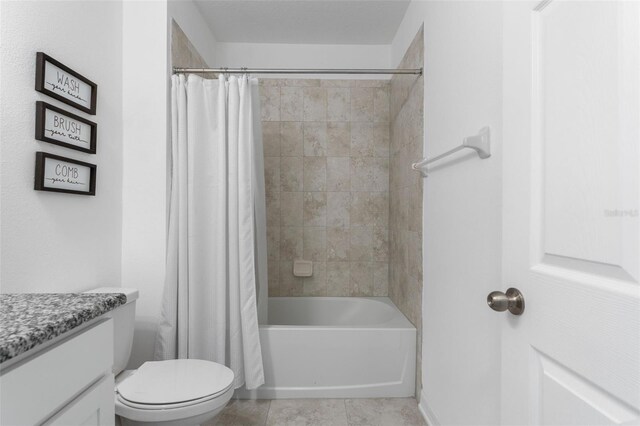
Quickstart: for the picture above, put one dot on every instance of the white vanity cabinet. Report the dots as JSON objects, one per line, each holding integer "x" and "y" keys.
{"x": 68, "y": 382}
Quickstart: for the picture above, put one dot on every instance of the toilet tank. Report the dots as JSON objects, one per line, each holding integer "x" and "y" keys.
{"x": 123, "y": 325}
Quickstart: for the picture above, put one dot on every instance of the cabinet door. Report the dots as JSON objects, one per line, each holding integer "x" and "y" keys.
{"x": 40, "y": 386}
{"x": 94, "y": 407}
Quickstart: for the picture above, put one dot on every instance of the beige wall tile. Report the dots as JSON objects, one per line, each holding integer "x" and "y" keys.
{"x": 273, "y": 209}
{"x": 397, "y": 130}
{"x": 337, "y": 83}
{"x": 398, "y": 94}
{"x": 380, "y": 279}
{"x": 362, "y": 104}
{"x": 400, "y": 91}
{"x": 414, "y": 251}
{"x": 338, "y": 281}
{"x": 381, "y": 140}
{"x": 361, "y": 174}
{"x": 273, "y": 82}
{"x": 413, "y": 110}
{"x": 414, "y": 209}
{"x": 338, "y": 175}
{"x": 271, "y": 138}
{"x": 270, "y": 103}
{"x": 291, "y": 242}
{"x": 393, "y": 209}
{"x": 291, "y": 175}
{"x": 362, "y": 140}
{"x": 338, "y": 139}
{"x": 361, "y": 278}
{"x": 291, "y": 99}
{"x": 315, "y": 139}
{"x": 372, "y": 83}
{"x": 272, "y": 174}
{"x": 379, "y": 207}
{"x": 380, "y": 244}
{"x": 314, "y": 104}
{"x": 315, "y": 173}
{"x": 381, "y": 105}
{"x": 289, "y": 284}
{"x": 315, "y": 209}
{"x": 310, "y": 162}
{"x": 361, "y": 243}
{"x": 338, "y": 104}
{"x": 338, "y": 244}
{"x": 316, "y": 285}
{"x": 315, "y": 244}
{"x": 273, "y": 243}
{"x": 301, "y": 82}
{"x": 359, "y": 210}
{"x": 273, "y": 277}
{"x": 380, "y": 174}
{"x": 291, "y": 208}
{"x": 338, "y": 208}
{"x": 291, "y": 139}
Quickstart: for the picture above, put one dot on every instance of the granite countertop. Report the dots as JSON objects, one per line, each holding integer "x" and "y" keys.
{"x": 30, "y": 319}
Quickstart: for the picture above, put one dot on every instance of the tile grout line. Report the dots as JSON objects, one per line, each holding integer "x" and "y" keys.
{"x": 346, "y": 415}
{"x": 266, "y": 419}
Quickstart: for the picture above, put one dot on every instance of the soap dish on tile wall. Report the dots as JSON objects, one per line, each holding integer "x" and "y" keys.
{"x": 302, "y": 268}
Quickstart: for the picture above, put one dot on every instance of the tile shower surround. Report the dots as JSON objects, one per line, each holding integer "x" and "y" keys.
{"x": 405, "y": 193}
{"x": 326, "y": 152}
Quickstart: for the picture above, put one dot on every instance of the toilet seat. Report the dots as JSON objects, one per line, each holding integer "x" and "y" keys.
{"x": 169, "y": 406}
{"x": 173, "y": 390}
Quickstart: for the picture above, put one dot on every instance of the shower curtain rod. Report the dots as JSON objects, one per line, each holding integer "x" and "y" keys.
{"x": 415, "y": 71}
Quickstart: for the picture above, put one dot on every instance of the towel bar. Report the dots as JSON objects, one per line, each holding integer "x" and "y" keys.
{"x": 481, "y": 143}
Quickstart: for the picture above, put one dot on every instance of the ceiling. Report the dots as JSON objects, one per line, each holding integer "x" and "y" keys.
{"x": 304, "y": 21}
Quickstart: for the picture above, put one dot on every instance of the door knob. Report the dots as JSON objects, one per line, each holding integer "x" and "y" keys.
{"x": 511, "y": 300}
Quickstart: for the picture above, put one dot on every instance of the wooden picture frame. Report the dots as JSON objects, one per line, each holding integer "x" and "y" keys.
{"x": 55, "y": 173}
{"x": 57, "y": 126}
{"x": 57, "y": 80}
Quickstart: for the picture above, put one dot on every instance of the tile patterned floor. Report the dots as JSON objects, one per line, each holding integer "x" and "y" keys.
{"x": 321, "y": 412}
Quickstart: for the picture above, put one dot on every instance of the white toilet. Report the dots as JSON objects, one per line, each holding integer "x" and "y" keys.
{"x": 164, "y": 393}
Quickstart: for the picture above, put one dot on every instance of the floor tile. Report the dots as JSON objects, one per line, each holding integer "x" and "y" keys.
{"x": 307, "y": 412}
{"x": 242, "y": 412}
{"x": 383, "y": 412}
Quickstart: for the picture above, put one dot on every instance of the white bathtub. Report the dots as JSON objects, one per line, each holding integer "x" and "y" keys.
{"x": 336, "y": 347}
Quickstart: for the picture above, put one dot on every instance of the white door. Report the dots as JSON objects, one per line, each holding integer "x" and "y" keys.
{"x": 571, "y": 221}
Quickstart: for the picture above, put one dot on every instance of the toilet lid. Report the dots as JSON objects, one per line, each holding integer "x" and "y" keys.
{"x": 175, "y": 381}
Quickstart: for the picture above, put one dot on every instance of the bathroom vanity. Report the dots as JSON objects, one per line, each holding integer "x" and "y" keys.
{"x": 56, "y": 358}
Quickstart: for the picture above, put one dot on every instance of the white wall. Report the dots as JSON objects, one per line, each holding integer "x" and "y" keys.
{"x": 275, "y": 55}
{"x": 145, "y": 111}
{"x": 146, "y": 126}
{"x": 462, "y": 213}
{"x": 55, "y": 242}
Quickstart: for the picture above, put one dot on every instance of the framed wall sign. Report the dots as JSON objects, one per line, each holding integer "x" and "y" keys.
{"x": 64, "y": 84}
{"x": 60, "y": 174}
{"x": 57, "y": 126}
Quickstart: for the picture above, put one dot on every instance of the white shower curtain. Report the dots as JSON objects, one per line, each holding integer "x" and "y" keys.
{"x": 216, "y": 256}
